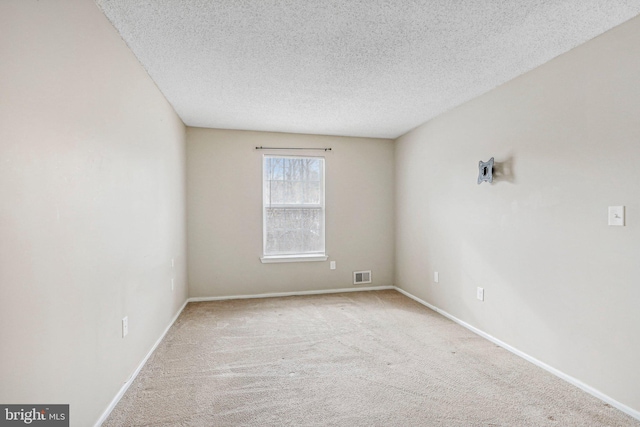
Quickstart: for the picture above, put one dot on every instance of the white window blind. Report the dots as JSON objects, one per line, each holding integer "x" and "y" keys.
{"x": 293, "y": 206}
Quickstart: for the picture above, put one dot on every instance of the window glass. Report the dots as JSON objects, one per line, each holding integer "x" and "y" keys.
{"x": 293, "y": 205}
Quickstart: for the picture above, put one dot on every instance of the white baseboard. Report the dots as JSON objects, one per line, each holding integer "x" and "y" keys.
{"x": 568, "y": 378}
{"x": 133, "y": 376}
{"x": 288, "y": 294}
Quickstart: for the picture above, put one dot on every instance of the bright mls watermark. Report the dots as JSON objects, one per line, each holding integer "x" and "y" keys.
{"x": 34, "y": 415}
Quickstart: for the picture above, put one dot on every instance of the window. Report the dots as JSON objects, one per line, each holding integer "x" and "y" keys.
{"x": 293, "y": 209}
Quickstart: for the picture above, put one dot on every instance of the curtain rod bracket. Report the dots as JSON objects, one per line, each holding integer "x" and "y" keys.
{"x": 291, "y": 148}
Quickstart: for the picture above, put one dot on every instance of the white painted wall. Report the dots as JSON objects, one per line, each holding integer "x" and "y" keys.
{"x": 92, "y": 209}
{"x": 224, "y": 210}
{"x": 560, "y": 284}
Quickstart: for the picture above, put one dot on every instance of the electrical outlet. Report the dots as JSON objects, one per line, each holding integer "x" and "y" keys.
{"x": 436, "y": 278}
{"x": 172, "y": 284}
{"x": 173, "y": 262}
{"x": 125, "y": 326}
{"x": 332, "y": 265}
{"x": 480, "y": 294}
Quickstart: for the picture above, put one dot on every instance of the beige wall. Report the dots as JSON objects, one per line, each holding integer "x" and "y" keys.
{"x": 91, "y": 207}
{"x": 559, "y": 283}
{"x": 224, "y": 205}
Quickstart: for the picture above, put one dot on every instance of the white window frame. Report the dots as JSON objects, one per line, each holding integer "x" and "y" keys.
{"x": 293, "y": 257}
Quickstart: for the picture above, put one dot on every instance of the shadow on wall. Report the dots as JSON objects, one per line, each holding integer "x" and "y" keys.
{"x": 503, "y": 171}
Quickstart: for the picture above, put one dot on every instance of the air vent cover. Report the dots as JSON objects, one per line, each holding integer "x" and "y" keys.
{"x": 360, "y": 277}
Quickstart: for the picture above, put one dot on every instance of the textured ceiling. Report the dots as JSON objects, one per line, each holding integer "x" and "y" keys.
{"x": 374, "y": 68}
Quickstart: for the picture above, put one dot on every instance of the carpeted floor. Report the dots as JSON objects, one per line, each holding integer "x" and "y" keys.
{"x": 351, "y": 359}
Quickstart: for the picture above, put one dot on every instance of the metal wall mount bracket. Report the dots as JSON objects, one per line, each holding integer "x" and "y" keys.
{"x": 485, "y": 171}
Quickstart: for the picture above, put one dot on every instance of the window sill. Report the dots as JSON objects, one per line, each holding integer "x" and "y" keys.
{"x": 292, "y": 258}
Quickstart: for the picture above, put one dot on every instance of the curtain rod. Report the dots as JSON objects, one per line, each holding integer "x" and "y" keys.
{"x": 291, "y": 148}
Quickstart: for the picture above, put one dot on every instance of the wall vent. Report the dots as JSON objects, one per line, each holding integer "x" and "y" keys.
{"x": 360, "y": 277}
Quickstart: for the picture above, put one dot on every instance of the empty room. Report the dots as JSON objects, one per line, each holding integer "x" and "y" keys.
{"x": 319, "y": 213}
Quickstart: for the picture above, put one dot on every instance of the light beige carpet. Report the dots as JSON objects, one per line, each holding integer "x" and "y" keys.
{"x": 352, "y": 359}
